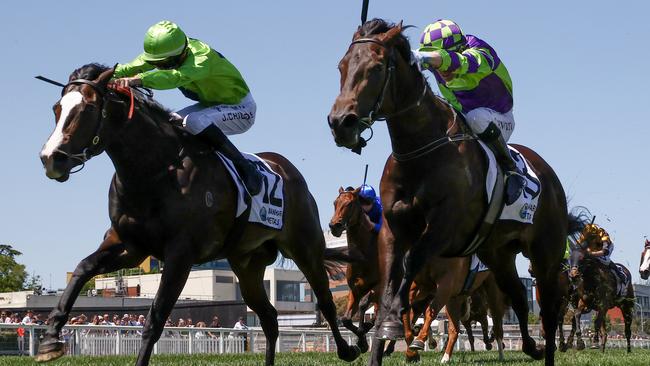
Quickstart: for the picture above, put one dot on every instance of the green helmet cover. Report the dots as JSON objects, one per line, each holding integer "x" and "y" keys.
{"x": 163, "y": 39}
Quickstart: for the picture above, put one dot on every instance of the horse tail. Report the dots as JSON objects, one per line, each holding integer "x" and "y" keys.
{"x": 578, "y": 218}
{"x": 336, "y": 259}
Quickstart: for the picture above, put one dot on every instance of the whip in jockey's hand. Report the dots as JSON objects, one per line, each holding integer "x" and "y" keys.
{"x": 474, "y": 80}
{"x": 224, "y": 105}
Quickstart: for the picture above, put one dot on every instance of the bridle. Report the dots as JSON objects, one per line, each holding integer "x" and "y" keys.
{"x": 346, "y": 220}
{"x": 373, "y": 116}
{"x": 104, "y": 93}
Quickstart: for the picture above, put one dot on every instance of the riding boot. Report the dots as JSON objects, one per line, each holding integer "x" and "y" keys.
{"x": 515, "y": 182}
{"x": 247, "y": 170}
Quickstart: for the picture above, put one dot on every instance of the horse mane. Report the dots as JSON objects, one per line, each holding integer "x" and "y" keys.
{"x": 379, "y": 26}
{"x": 92, "y": 71}
{"x": 579, "y": 218}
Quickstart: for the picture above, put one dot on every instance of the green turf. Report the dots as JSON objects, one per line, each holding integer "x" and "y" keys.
{"x": 588, "y": 357}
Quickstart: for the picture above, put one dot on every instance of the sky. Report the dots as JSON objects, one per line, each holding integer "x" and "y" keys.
{"x": 579, "y": 70}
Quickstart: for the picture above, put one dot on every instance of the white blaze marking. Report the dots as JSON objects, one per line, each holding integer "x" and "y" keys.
{"x": 646, "y": 261}
{"x": 68, "y": 102}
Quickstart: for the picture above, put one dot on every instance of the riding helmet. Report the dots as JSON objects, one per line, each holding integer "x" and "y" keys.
{"x": 442, "y": 35}
{"x": 164, "y": 39}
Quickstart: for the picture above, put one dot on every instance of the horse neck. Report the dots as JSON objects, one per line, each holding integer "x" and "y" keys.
{"x": 143, "y": 150}
{"x": 359, "y": 239}
{"x": 430, "y": 120}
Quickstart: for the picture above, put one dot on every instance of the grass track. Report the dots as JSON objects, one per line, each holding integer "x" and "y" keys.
{"x": 583, "y": 358}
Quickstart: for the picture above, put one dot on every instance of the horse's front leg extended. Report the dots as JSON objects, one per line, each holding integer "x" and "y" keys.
{"x": 391, "y": 326}
{"x": 174, "y": 275}
{"x": 111, "y": 256}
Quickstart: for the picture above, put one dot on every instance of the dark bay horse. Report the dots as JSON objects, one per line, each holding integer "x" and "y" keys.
{"x": 596, "y": 289}
{"x": 433, "y": 185}
{"x": 361, "y": 275}
{"x": 644, "y": 267}
{"x": 487, "y": 299}
{"x": 173, "y": 199}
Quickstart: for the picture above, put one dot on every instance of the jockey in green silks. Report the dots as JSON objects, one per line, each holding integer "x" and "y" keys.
{"x": 224, "y": 105}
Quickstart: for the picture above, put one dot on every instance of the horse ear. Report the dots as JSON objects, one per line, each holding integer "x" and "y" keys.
{"x": 392, "y": 33}
{"x": 340, "y": 190}
{"x": 105, "y": 77}
{"x": 356, "y": 191}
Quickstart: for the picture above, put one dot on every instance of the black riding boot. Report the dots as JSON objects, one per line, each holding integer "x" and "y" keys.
{"x": 515, "y": 183}
{"x": 249, "y": 173}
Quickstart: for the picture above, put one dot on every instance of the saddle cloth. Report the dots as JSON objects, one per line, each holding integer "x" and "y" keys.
{"x": 523, "y": 209}
{"x": 267, "y": 207}
{"x": 476, "y": 265}
{"x": 622, "y": 280}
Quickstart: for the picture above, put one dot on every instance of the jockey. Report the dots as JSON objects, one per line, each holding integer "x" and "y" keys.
{"x": 371, "y": 206}
{"x": 597, "y": 243}
{"x": 477, "y": 84}
{"x": 224, "y": 105}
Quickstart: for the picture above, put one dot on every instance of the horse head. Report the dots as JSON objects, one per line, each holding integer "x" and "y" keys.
{"x": 79, "y": 116}
{"x": 374, "y": 67}
{"x": 644, "y": 268}
{"x": 577, "y": 255}
{"x": 347, "y": 210}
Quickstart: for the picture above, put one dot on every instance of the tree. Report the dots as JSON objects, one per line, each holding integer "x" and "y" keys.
{"x": 12, "y": 274}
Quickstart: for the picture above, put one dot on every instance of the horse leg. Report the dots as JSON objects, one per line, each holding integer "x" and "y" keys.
{"x": 580, "y": 344}
{"x": 603, "y": 331}
{"x": 390, "y": 348}
{"x": 111, "y": 256}
{"x": 414, "y": 260}
{"x": 376, "y": 352}
{"x": 470, "y": 334}
{"x": 251, "y": 284}
{"x": 351, "y": 309}
{"x": 550, "y": 305}
{"x": 502, "y": 264}
{"x": 453, "y": 314}
{"x": 496, "y": 305}
{"x": 628, "y": 310}
{"x": 311, "y": 265}
{"x": 177, "y": 268}
{"x": 485, "y": 330}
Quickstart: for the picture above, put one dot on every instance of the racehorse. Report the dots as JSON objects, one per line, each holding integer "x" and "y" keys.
{"x": 433, "y": 185}
{"x": 644, "y": 267}
{"x": 362, "y": 275}
{"x": 451, "y": 293}
{"x": 596, "y": 289}
{"x": 172, "y": 198}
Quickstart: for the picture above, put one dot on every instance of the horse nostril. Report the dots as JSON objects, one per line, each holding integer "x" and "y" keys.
{"x": 350, "y": 121}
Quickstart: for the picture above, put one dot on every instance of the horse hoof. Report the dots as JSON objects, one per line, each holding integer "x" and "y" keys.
{"x": 390, "y": 331}
{"x": 580, "y": 345}
{"x": 433, "y": 344}
{"x": 416, "y": 345}
{"x": 50, "y": 351}
{"x": 352, "y": 354}
{"x": 488, "y": 346}
{"x": 563, "y": 347}
{"x": 535, "y": 352}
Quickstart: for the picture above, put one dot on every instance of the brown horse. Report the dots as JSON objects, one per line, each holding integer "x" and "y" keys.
{"x": 596, "y": 289}
{"x": 644, "y": 267}
{"x": 362, "y": 275}
{"x": 433, "y": 185}
{"x": 455, "y": 298}
{"x": 172, "y": 198}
